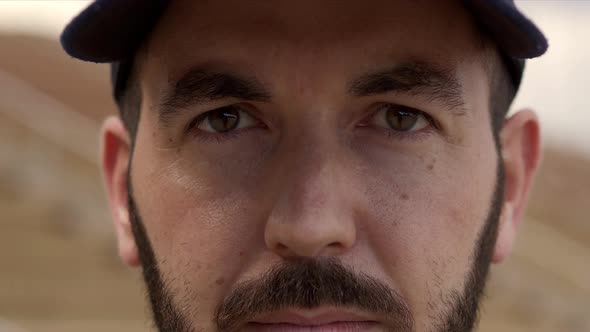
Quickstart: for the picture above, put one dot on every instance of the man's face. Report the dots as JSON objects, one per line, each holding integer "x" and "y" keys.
{"x": 301, "y": 163}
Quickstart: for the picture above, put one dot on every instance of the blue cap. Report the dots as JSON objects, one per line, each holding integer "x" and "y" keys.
{"x": 111, "y": 31}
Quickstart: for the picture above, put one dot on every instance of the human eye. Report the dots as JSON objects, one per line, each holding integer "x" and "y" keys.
{"x": 223, "y": 122}
{"x": 400, "y": 121}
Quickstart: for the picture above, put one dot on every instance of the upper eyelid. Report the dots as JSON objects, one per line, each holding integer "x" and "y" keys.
{"x": 409, "y": 109}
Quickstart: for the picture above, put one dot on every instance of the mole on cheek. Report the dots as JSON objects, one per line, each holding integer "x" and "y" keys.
{"x": 431, "y": 166}
{"x": 219, "y": 281}
{"x": 404, "y": 197}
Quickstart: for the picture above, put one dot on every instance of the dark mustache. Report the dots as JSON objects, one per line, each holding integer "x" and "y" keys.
{"x": 310, "y": 283}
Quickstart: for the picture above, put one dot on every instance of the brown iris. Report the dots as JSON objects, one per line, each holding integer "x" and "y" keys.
{"x": 224, "y": 119}
{"x": 401, "y": 120}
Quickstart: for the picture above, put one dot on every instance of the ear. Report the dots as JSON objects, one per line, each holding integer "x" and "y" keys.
{"x": 521, "y": 152}
{"x": 115, "y": 157}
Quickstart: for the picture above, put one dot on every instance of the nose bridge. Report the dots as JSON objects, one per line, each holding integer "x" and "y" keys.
{"x": 311, "y": 173}
{"x": 314, "y": 180}
{"x": 313, "y": 212}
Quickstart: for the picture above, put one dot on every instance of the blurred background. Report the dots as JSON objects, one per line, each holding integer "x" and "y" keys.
{"x": 59, "y": 271}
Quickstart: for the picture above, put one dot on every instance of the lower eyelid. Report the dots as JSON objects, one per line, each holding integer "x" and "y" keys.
{"x": 413, "y": 135}
{"x": 389, "y": 133}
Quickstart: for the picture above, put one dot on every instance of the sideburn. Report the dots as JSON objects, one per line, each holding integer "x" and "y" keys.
{"x": 166, "y": 317}
{"x": 465, "y": 314}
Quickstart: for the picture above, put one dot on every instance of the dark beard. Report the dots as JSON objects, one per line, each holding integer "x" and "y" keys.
{"x": 309, "y": 283}
{"x": 463, "y": 314}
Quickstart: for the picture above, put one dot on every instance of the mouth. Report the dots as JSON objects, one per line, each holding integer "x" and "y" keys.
{"x": 316, "y": 320}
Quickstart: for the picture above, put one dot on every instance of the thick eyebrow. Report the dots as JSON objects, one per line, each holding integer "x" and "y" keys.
{"x": 200, "y": 85}
{"x": 417, "y": 79}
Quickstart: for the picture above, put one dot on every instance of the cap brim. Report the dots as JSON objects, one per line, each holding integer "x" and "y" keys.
{"x": 111, "y": 30}
{"x": 516, "y": 35}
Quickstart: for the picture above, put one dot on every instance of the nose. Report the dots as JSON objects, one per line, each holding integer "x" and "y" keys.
{"x": 314, "y": 212}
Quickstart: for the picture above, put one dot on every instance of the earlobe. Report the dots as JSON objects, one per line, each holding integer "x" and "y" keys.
{"x": 506, "y": 234}
{"x": 521, "y": 152}
{"x": 115, "y": 159}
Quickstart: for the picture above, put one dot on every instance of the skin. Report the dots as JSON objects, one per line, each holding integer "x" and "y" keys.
{"x": 320, "y": 178}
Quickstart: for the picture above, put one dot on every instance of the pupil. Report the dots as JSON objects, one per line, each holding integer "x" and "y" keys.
{"x": 224, "y": 119}
{"x": 401, "y": 121}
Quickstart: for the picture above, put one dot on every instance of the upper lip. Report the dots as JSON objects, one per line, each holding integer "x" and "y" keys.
{"x": 312, "y": 317}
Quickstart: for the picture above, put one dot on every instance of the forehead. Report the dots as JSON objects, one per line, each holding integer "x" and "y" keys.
{"x": 338, "y": 32}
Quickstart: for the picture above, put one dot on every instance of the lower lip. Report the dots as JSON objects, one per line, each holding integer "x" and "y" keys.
{"x": 361, "y": 326}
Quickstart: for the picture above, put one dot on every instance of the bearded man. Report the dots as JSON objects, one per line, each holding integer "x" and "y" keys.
{"x": 314, "y": 165}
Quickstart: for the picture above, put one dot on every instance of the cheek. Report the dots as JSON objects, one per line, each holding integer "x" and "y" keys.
{"x": 209, "y": 219}
{"x": 201, "y": 220}
{"x": 427, "y": 212}
{"x": 203, "y": 241}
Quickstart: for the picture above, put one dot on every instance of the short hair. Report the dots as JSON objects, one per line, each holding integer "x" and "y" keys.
{"x": 502, "y": 88}
{"x": 129, "y": 103}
